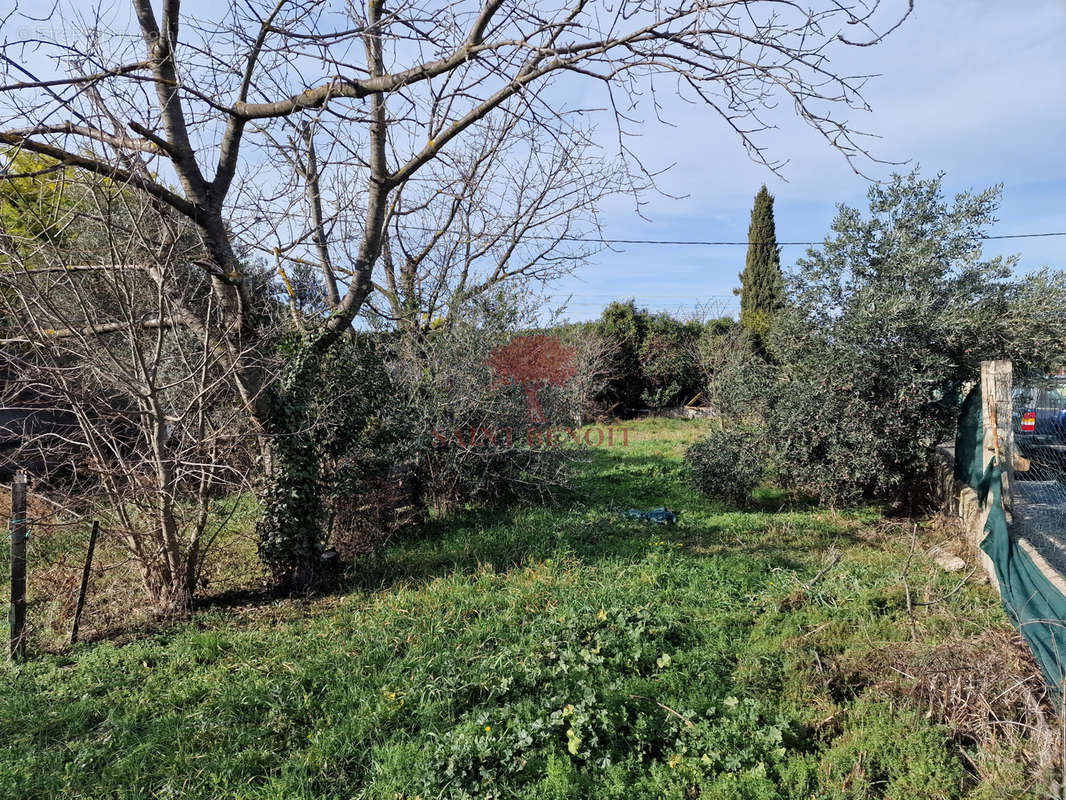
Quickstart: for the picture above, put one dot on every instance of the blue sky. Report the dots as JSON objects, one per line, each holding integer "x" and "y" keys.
{"x": 973, "y": 88}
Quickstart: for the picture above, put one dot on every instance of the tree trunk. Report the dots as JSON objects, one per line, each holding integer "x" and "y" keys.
{"x": 535, "y": 411}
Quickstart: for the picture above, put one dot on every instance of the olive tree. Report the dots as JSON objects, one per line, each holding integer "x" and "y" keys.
{"x": 885, "y": 323}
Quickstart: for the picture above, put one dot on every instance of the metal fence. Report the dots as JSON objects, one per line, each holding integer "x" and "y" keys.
{"x": 1038, "y": 461}
{"x": 1010, "y": 450}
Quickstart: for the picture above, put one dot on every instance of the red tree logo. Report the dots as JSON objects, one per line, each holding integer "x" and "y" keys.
{"x": 532, "y": 362}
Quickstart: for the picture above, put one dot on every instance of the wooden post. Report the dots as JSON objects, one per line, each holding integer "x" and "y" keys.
{"x": 84, "y": 583}
{"x": 998, "y": 418}
{"x": 17, "y": 613}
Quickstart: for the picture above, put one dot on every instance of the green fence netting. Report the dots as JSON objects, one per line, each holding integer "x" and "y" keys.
{"x": 970, "y": 442}
{"x": 1032, "y": 602}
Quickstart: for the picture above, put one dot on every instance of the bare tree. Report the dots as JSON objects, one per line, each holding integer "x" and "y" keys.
{"x": 596, "y": 356}
{"x": 517, "y": 203}
{"x": 195, "y": 113}
{"x": 143, "y": 432}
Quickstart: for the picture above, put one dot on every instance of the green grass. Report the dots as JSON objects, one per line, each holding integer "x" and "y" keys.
{"x": 537, "y": 652}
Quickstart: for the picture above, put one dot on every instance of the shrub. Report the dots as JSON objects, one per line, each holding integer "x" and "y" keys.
{"x": 324, "y": 437}
{"x": 728, "y": 464}
{"x": 886, "y": 322}
{"x": 835, "y": 444}
{"x": 429, "y": 426}
{"x": 469, "y": 433}
{"x": 654, "y": 358}
{"x": 736, "y": 377}
{"x": 624, "y": 326}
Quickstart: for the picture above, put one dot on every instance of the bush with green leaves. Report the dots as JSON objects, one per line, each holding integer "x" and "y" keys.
{"x": 369, "y": 432}
{"x": 325, "y": 438}
{"x": 885, "y": 323}
{"x": 669, "y": 369}
{"x": 736, "y": 377}
{"x": 655, "y": 361}
{"x": 470, "y": 434}
{"x": 728, "y": 464}
{"x": 625, "y": 326}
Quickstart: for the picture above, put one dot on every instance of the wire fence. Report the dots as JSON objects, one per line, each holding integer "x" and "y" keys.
{"x": 56, "y": 549}
{"x": 1038, "y": 464}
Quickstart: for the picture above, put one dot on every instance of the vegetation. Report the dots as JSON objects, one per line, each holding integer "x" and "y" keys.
{"x": 734, "y": 372}
{"x": 35, "y": 208}
{"x": 564, "y": 650}
{"x": 887, "y": 321}
{"x": 531, "y": 637}
{"x": 655, "y": 362}
{"x": 433, "y": 123}
{"x": 625, "y": 326}
{"x": 154, "y": 433}
{"x": 316, "y": 180}
{"x": 464, "y": 421}
{"x": 138, "y": 425}
{"x": 327, "y": 440}
{"x": 762, "y": 287}
{"x": 668, "y": 364}
{"x": 884, "y": 324}
{"x": 728, "y": 464}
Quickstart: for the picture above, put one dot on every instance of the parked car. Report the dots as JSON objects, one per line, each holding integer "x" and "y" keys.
{"x": 1040, "y": 427}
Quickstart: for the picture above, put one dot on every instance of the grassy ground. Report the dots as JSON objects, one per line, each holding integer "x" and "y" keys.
{"x": 116, "y": 596}
{"x": 565, "y": 651}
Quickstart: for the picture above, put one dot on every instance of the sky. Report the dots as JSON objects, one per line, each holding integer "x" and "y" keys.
{"x": 972, "y": 88}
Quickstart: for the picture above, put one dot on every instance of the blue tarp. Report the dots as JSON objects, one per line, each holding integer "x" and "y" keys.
{"x": 660, "y": 515}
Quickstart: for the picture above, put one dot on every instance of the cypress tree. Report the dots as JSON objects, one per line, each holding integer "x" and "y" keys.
{"x": 762, "y": 289}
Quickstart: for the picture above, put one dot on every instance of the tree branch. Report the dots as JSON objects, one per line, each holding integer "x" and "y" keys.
{"x": 175, "y": 201}
{"x": 100, "y": 329}
{"x": 90, "y": 133}
{"x": 161, "y": 45}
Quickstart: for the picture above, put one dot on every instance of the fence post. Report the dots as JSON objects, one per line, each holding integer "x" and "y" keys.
{"x": 17, "y": 613}
{"x": 998, "y": 418}
{"x": 84, "y": 583}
